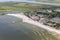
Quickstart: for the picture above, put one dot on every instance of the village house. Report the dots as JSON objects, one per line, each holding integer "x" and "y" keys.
{"x": 56, "y": 19}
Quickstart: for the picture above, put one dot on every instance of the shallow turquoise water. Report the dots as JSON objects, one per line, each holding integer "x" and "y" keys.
{"x": 21, "y": 31}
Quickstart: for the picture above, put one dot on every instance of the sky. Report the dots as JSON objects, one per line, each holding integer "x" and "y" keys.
{"x": 14, "y": 0}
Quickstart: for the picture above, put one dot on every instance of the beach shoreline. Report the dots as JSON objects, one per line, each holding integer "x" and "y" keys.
{"x": 30, "y": 21}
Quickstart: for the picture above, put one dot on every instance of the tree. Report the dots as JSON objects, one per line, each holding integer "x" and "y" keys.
{"x": 57, "y": 25}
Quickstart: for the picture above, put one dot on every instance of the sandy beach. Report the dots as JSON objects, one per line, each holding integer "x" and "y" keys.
{"x": 30, "y": 21}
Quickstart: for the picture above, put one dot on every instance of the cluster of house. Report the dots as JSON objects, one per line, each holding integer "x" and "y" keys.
{"x": 40, "y": 18}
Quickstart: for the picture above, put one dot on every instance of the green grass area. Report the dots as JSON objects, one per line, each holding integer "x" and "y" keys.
{"x": 9, "y": 6}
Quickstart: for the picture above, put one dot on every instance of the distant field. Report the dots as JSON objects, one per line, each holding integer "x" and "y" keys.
{"x": 9, "y": 6}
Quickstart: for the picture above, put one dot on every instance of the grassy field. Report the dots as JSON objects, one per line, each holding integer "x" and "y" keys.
{"x": 9, "y": 6}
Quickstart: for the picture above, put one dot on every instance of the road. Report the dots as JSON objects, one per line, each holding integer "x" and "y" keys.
{"x": 44, "y": 3}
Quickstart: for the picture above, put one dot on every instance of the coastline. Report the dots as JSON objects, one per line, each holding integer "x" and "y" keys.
{"x": 30, "y": 21}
